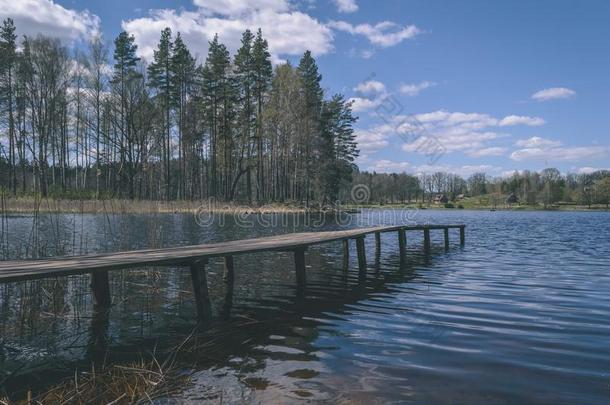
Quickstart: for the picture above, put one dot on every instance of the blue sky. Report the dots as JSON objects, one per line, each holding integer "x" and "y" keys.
{"x": 461, "y": 86}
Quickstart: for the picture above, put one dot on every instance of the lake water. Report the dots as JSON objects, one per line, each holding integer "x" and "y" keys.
{"x": 519, "y": 314}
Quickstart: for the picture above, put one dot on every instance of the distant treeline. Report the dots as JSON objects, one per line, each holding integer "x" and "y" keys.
{"x": 93, "y": 124}
{"x": 545, "y": 188}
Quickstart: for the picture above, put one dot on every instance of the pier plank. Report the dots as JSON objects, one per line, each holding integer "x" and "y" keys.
{"x": 22, "y": 270}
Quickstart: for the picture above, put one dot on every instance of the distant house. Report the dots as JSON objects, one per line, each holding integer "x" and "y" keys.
{"x": 512, "y": 199}
{"x": 460, "y": 197}
{"x": 441, "y": 199}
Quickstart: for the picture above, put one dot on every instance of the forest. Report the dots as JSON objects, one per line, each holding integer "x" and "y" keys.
{"x": 98, "y": 122}
{"x": 102, "y": 123}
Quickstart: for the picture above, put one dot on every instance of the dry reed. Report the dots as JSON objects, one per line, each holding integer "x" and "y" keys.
{"x": 120, "y": 206}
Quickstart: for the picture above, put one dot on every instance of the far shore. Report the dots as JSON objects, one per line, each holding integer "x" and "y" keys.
{"x": 515, "y": 207}
{"x": 26, "y": 205}
{"x": 124, "y": 206}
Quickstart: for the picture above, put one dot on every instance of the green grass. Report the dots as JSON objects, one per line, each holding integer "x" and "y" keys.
{"x": 485, "y": 203}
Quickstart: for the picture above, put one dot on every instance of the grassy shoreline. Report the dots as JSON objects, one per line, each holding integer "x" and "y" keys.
{"x": 121, "y": 206}
{"x": 434, "y": 207}
{"x": 492, "y": 203}
{"x": 25, "y": 205}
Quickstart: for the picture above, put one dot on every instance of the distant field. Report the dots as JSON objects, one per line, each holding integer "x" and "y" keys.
{"x": 486, "y": 203}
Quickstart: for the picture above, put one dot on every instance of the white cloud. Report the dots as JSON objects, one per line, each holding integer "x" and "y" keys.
{"x": 384, "y": 34}
{"x": 553, "y": 93}
{"x": 544, "y": 149}
{"x": 370, "y": 94}
{"x": 371, "y": 141}
{"x": 560, "y": 153}
{"x": 346, "y": 6}
{"x": 33, "y": 17}
{"x": 537, "y": 142}
{"x": 438, "y": 132}
{"x": 388, "y": 166}
{"x": 589, "y": 170}
{"x": 465, "y": 120}
{"x": 448, "y": 142}
{"x": 240, "y": 7}
{"x": 288, "y": 32}
{"x": 362, "y": 159}
{"x": 416, "y": 88}
{"x": 521, "y": 120}
{"x": 492, "y": 151}
{"x": 360, "y": 104}
{"x": 370, "y": 88}
{"x": 468, "y": 170}
{"x": 446, "y": 132}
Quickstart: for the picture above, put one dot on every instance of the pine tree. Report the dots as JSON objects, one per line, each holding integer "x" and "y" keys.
{"x": 308, "y": 69}
{"x": 217, "y": 86}
{"x": 313, "y": 96}
{"x": 8, "y": 61}
{"x": 124, "y": 73}
{"x": 346, "y": 146}
{"x": 244, "y": 70}
{"x": 231, "y": 119}
{"x": 182, "y": 81}
{"x": 337, "y": 148}
{"x": 125, "y": 57}
{"x": 263, "y": 73}
{"x": 160, "y": 78}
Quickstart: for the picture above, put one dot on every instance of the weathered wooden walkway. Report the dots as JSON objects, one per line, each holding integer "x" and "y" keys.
{"x": 196, "y": 257}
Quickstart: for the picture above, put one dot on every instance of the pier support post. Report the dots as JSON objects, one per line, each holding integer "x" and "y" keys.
{"x": 100, "y": 286}
{"x": 229, "y": 279}
{"x": 377, "y": 243}
{"x": 446, "y": 238}
{"x": 345, "y": 254}
{"x": 200, "y": 288}
{"x": 427, "y": 240}
{"x": 228, "y": 274}
{"x": 402, "y": 243}
{"x": 299, "y": 266}
{"x": 462, "y": 235}
{"x": 361, "y": 254}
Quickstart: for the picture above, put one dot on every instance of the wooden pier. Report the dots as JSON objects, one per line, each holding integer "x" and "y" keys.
{"x": 196, "y": 257}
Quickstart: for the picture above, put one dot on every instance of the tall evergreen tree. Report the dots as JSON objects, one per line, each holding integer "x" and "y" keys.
{"x": 263, "y": 72}
{"x": 182, "y": 82}
{"x": 125, "y": 58}
{"x": 244, "y": 70}
{"x": 219, "y": 99}
{"x": 346, "y": 146}
{"x": 160, "y": 78}
{"x": 313, "y": 96}
{"x": 8, "y": 61}
{"x": 231, "y": 119}
{"x": 337, "y": 148}
{"x": 125, "y": 72}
